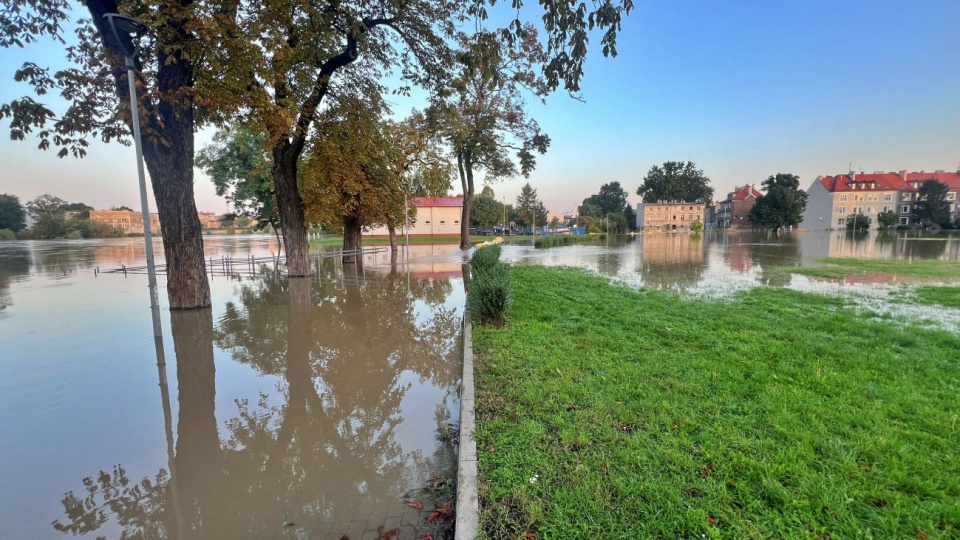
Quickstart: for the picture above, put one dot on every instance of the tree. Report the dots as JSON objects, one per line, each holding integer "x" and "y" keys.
{"x": 239, "y": 167}
{"x": 96, "y": 92}
{"x": 122, "y": 208}
{"x": 932, "y": 207}
{"x": 484, "y": 119}
{"x": 12, "y": 214}
{"x": 696, "y": 226}
{"x": 858, "y": 222}
{"x": 530, "y": 210}
{"x": 887, "y": 218}
{"x": 782, "y": 205}
{"x": 486, "y": 211}
{"x": 554, "y": 223}
{"x": 610, "y": 201}
{"x": 676, "y": 181}
{"x": 46, "y": 206}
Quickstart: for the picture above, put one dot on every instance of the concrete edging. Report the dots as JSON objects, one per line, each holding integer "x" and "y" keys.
{"x": 468, "y": 500}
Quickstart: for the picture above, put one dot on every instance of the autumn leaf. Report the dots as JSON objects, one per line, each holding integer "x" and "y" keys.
{"x": 415, "y": 504}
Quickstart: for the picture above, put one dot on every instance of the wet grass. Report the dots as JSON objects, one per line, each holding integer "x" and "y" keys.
{"x": 837, "y": 268}
{"x": 935, "y": 296}
{"x": 337, "y": 240}
{"x": 605, "y": 412}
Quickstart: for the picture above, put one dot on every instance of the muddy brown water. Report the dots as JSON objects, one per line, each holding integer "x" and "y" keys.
{"x": 291, "y": 408}
{"x": 294, "y": 408}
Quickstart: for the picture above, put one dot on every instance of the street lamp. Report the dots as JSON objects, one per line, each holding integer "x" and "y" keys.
{"x": 127, "y": 31}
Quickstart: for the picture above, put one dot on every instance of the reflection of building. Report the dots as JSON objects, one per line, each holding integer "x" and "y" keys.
{"x": 668, "y": 216}
{"x": 436, "y": 216}
{"x": 671, "y": 249}
{"x": 831, "y": 199}
{"x": 734, "y": 211}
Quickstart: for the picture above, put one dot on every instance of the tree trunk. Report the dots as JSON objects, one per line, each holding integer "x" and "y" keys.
{"x": 168, "y": 153}
{"x": 352, "y": 240}
{"x": 465, "y": 167}
{"x": 292, "y": 220}
{"x": 393, "y": 238}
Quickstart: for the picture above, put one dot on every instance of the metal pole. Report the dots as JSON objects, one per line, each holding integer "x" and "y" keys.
{"x": 406, "y": 224}
{"x": 144, "y": 205}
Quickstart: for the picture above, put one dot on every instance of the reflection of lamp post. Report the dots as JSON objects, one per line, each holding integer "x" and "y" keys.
{"x": 127, "y": 31}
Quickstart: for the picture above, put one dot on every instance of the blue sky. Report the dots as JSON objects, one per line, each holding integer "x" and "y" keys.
{"x": 744, "y": 89}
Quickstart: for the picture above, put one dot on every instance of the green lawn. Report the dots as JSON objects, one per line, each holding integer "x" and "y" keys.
{"x": 336, "y": 240}
{"x": 941, "y": 296}
{"x": 836, "y": 268}
{"x": 779, "y": 414}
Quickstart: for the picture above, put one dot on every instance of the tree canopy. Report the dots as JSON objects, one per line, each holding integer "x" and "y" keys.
{"x": 676, "y": 181}
{"x": 782, "y": 205}
{"x": 12, "y": 215}
{"x": 610, "y": 204}
{"x": 932, "y": 207}
{"x": 530, "y": 209}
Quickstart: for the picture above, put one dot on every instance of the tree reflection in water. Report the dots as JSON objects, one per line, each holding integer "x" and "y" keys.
{"x": 330, "y": 449}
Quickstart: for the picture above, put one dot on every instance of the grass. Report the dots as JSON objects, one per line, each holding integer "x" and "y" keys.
{"x": 337, "y": 240}
{"x": 605, "y": 412}
{"x": 836, "y": 268}
{"x": 933, "y": 296}
{"x": 568, "y": 240}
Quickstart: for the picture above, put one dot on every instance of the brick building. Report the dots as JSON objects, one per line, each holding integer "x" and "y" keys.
{"x": 734, "y": 211}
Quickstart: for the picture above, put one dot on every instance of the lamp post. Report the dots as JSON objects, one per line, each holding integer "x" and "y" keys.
{"x": 127, "y": 31}
{"x": 503, "y": 229}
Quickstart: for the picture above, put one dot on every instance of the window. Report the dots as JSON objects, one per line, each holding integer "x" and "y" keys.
{"x": 858, "y": 197}
{"x": 904, "y": 209}
{"x": 843, "y": 198}
{"x": 683, "y": 217}
{"x": 870, "y": 209}
{"x": 887, "y": 198}
{"x": 427, "y": 222}
{"x": 841, "y": 221}
{"x": 456, "y": 222}
{"x": 842, "y": 210}
{"x": 951, "y": 196}
{"x": 905, "y": 197}
{"x": 885, "y": 208}
{"x": 442, "y": 222}
{"x": 904, "y": 221}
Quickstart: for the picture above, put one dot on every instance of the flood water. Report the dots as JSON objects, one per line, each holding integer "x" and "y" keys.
{"x": 296, "y": 408}
{"x": 292, "y": 408}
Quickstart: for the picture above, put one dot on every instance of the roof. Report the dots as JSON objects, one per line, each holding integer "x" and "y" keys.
{"x": 438, "y": 201}
{"x": 951, "y": 179}
{"x": 743, "y": 193}
{"x": 865, "y": 182}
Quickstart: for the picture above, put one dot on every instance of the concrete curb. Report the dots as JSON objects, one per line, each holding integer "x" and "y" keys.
{"x": 468, "y": 500}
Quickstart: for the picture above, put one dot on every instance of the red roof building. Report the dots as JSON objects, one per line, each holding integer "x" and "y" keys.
{"x": 733, "y": 212}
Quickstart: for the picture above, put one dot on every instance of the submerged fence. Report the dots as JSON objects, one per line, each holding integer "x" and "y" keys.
{"x": 248, "y": 265}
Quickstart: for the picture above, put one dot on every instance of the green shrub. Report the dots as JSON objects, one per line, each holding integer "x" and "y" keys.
{"x": 490, "y": 294}
{"x": 483, "y": 259}
{"x": 7, "y": 234}
{"x": 696, "y": 226}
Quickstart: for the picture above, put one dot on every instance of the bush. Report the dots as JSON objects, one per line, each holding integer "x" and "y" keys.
{"x": 7, "y": 234}
{"x": 483, "y": 259}
{"x": 490, "y": 294}
{"x": 696, "y": 226}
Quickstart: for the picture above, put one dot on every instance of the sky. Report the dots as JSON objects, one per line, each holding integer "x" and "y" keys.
{"x": 745, "y": 89}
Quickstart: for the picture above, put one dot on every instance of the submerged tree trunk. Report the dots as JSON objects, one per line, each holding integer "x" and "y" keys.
{"x": 393, "y": 239}
{"x": 167, "y": 141}
{"x": 290, "y": 204}
{"x": 465, "y": 167}
{"x": 352, "y": 239}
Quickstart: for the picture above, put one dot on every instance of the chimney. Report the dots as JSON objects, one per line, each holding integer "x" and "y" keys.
{"x": 902, "y": 174}
{"x": 940, "y": 170}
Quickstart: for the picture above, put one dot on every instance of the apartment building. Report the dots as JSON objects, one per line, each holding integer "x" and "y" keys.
{"x": 669, "y": 215}
{"x": 734, "y": 211}
{"x": 132, "y": 222}
{"x": 831, "y": 199}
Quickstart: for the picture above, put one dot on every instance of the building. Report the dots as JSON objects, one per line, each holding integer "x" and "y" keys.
{"x": 669, "y": 215}
{"x": 132, "y": 222}
{"x": 208, "y": 220}
{"x": 435, "y": 216}
{"x": 831, "y": 199}
{"x": 734, "y": 211}
{"x": 563, "y": 217}
{"x": 126, "y": 220}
